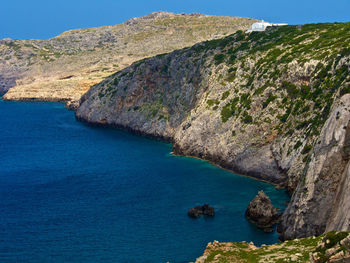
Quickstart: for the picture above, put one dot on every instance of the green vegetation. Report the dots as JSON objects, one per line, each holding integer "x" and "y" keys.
{"x": 225, "y": 95}
{"x": 246, "y": 118}
{"x": 211, "y": 102}
{"x": 307, "y": 149}
{"x": 229, "y": 109}
{"x": 297, "y": 145}
{"x": 288, "y": 251}
{"x": 268, "y": 100}
{"x": 331, "y": 239}
{"x": 306, "y": 102}
{"x": 219, "y": 58}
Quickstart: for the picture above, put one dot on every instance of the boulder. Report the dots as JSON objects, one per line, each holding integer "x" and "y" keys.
{"x": 261, "y": 212}
{"x": 198, "y": 210}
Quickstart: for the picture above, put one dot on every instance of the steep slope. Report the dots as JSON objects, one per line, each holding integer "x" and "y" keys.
{"x": 273, "y": 105}
{"x": 64, "y": 67}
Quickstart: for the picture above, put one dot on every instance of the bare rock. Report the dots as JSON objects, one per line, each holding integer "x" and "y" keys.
{"x": 198, "y": 210}
{"x": 261, "y": 211}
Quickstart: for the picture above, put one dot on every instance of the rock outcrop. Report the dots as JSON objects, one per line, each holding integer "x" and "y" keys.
{"x": 334, "y": 247}
{"x": 63, "y": 68}
{"x": 265, "y": 104}
{"x": 261, "y": 212}
{"x": 331, "y": 247}
{"x": 324, "y": 188}
{"x": 198, "y": 210}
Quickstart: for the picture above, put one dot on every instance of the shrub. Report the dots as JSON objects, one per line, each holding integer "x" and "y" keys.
{"x": 226, "y": 113}
{"x": 212, "y": 102}
{"x": 291, "y": 89}
{"x": 247, "y": 118}
{"x": 225, "y": 95}
{"x": 268, "y": 100}
{"x": 297, "y": 145}
{"x": 229, "y": 109}
{"x": 219, "y": 58}
{"x": 345, "y": 90}
{"x": 307, "y": 148}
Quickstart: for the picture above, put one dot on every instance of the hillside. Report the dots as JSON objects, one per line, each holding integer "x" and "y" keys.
{"x": 63, "y": 68}
{"x": 273, "y": 105}
{"x": 331, "y": 247}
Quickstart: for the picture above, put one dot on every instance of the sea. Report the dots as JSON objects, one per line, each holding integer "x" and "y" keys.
{"x": 70, "y": 192}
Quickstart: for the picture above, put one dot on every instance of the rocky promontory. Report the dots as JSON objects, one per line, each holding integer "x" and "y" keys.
{"x": 272, "y": 105}
{"x": 330, "y": 247}
{"x": 63, "y": 68}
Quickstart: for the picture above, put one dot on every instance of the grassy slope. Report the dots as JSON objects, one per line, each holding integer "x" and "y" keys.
{"x": 290, "y": 251}
{"x": 84, "y": 57}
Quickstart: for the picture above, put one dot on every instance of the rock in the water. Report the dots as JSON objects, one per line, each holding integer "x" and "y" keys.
{"x": 198, "y": 210}
{"x": 208, "y": 210}
{"x": 261, "y": 211}
{"x": 195, "y": 212}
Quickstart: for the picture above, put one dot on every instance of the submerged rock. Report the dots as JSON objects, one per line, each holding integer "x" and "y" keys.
{"x": 198, "y": 210}
{"x": 261, "y": 212}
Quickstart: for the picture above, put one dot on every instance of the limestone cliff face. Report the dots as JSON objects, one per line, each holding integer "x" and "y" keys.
{"x": 64, "y": 67}
{"x": 324, "y": 187}
{"x": 265, "y": 105}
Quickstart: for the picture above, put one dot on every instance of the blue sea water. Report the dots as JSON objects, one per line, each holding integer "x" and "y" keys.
{"x": 74, "y": 193}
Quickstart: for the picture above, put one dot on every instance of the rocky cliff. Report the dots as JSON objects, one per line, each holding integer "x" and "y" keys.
{"x": 63, "y": 68}
{"x": 273, "y": 105}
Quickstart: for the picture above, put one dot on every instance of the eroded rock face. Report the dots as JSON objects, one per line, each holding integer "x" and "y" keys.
{"x": 334, "y": 247}
{"x": 322, "y": 200}
{"x": 261, "y": 211}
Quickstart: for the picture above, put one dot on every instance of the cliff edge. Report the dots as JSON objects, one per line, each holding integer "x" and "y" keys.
{"x": 273, "y": 105}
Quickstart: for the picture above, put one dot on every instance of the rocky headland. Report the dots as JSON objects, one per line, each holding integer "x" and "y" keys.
{"x": 63, "y": 68}
{"x": 273, "y": 105}
{"x": 330, "y": 247}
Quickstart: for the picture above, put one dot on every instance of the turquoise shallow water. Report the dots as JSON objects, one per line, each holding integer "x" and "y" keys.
{"x": 74, "y": 193}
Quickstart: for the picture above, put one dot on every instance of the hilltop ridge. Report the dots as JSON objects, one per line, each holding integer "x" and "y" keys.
{"x": 64, "y": 67}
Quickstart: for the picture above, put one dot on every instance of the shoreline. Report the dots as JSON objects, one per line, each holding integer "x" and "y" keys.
{"x": 150, "y": 136}
{"x": 175, "y": 153}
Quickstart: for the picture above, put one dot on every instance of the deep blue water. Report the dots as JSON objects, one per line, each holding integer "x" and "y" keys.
{"x": 74, "y": 193}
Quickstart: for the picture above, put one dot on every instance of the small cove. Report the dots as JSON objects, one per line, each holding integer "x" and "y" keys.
{"x": 71, "y": 192}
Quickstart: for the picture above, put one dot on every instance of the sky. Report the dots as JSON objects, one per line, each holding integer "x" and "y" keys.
{"x": 43, "y": 19}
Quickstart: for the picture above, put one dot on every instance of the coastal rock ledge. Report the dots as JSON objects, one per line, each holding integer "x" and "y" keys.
{"x": 331, "y": 247}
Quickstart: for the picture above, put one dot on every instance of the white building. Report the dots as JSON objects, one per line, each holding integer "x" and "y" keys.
{"x": 261, "y": 26}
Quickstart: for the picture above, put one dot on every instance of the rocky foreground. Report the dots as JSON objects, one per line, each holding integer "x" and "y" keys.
{"x": 332, "y": 247}
{"x": 63, "y": 68}
{"x": 273, "y": 105}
